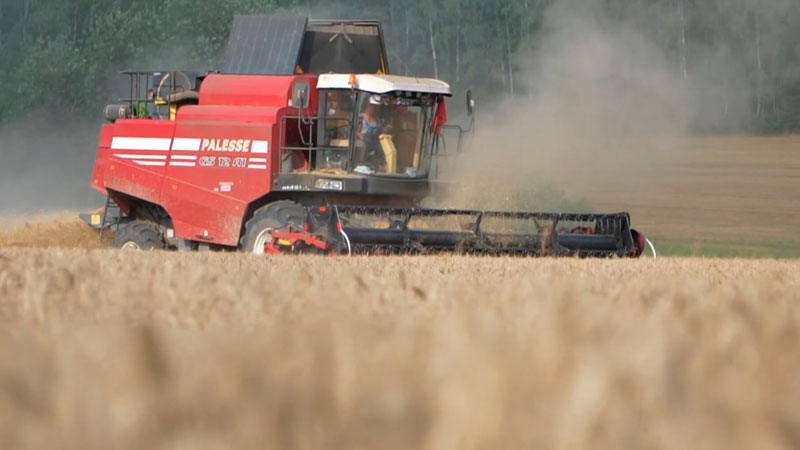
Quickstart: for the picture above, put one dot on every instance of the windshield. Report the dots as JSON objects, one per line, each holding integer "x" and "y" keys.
{"x": 390, "y": 134}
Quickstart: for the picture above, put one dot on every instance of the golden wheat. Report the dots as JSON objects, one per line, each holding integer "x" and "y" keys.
{"x": 111, "y": 349}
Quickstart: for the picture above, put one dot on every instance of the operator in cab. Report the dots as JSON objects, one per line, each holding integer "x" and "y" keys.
{"x": 374, "y": 124}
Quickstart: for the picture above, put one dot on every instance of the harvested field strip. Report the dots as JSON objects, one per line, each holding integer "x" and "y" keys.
{"x": 727, "y": 187}
{"x": 725, "y": 248}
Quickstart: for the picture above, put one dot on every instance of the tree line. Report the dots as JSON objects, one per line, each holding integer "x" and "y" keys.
{"x": 61, "y": 55}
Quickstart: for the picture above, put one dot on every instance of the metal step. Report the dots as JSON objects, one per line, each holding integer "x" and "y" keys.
{"x": 108, "y": 218}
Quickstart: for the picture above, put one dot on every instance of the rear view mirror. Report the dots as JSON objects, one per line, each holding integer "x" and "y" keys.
{"x": 470, "y": 103}
{"x": 300, "y": 94}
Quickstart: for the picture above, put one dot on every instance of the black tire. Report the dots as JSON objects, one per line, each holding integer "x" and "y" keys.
{"x": 282, "y": 215}
{"x": 139, "y": 235}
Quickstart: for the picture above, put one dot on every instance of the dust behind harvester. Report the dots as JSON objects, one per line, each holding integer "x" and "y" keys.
{"x": 304, "y": 141}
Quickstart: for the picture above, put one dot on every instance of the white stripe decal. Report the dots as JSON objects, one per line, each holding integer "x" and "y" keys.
{"x": 147, "y": 144}
{"x": 185, "y": 144}
{"x": 181, "y": 164}
{"x": 258, "y": 160}
{"x": 122, "y": 155}
{"x": 257, "y": 166}
{"x": 185, "y": 157}
{"x": 151, "y": 163}
{"x": 259, "y": 147}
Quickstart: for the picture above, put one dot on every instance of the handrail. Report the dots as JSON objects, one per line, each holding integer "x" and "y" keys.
{"x": 312, "y": 123}
{"x": 140, "y": 87}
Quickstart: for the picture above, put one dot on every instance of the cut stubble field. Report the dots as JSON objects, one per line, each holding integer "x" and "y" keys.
{"x": 722, "y": 196}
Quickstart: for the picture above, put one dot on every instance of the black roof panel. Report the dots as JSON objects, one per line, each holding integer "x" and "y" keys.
{"x": 264, "y": 45}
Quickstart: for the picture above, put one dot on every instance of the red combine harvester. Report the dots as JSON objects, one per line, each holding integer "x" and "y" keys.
{"x": 304, "y": 142}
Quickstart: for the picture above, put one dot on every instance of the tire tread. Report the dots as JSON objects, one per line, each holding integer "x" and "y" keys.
{"x": 142, "y": 232}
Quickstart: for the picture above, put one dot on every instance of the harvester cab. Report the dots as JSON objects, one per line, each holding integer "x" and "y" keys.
{"x": 368, "y": 125}
{"x": 367, "y": 121}
{"x": 303, "y": 140}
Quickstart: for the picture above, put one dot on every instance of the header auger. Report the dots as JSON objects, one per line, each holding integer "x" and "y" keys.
{"x": 307, "y": 146}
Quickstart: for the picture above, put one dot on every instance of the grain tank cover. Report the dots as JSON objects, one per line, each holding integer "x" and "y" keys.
{"x": 286, "y": 45}
{"x": 343, "y": 47}
{"x": 267, "y": 45}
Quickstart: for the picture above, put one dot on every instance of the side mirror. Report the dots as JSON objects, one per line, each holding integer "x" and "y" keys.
{"x": 300, "y": 97}
{"x": 470, "y": 103}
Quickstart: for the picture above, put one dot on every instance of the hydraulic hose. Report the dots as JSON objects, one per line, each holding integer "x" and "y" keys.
{"x": 347, "y": 239}
{"x": 652, "y": 247}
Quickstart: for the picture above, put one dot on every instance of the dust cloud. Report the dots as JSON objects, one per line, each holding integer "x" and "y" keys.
{"x": 47, "y": 157}
{"x": 49, "y": 230}
{"x": 46, "y": 162}
{"x": 599, "y": 104}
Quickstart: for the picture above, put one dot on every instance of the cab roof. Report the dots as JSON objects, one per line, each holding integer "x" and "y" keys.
{"x": 384, "y": 84}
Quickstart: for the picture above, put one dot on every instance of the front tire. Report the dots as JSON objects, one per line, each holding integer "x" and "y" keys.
{"x": 278, "y": 216}
{"x": 139, "y": 235}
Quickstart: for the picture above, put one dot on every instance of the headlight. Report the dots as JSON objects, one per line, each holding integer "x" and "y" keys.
{"x": 329, "y": 185}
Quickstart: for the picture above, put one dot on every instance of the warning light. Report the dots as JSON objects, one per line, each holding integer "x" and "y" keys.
{"x": 353, "y": 81}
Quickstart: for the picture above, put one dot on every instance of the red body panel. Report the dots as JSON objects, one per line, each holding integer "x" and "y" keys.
{"x": 208, "y": 165}
{"x": 249, "y": 90}
{"x": 132, "y": 157}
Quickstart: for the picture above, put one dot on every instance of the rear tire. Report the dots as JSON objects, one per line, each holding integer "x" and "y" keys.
{"x": 139, "y": 235}
{"x": 283, "y": 215}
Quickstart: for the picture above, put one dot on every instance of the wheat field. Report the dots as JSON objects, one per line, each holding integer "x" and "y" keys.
{"x": 108, "y": 349}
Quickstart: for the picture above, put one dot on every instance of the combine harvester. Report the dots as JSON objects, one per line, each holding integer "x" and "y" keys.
{"x": 303, "y": 142}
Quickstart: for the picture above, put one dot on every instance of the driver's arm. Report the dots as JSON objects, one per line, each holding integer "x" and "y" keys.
{"x": 360, "y": 127}
{"x": 387, "y": 123}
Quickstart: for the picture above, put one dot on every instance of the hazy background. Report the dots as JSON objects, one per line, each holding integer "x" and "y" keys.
{"x": 603, "y": 105}
{"x": 570, "y": 93}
